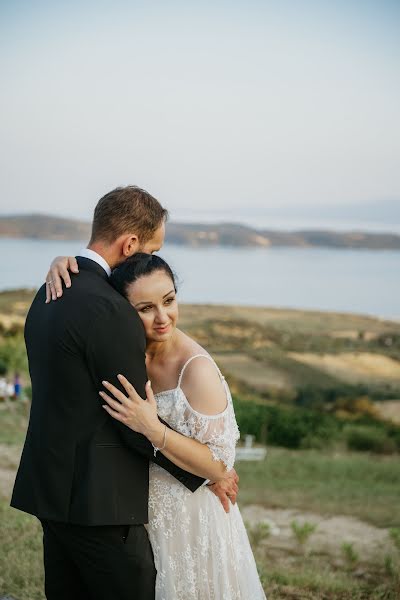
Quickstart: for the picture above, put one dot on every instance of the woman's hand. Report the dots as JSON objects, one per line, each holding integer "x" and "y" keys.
{"x": 59, "y": 270}
{"x": 134, "y": 412}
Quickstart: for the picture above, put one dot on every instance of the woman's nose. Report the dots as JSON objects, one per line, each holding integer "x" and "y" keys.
{"x": 161, "y": 315}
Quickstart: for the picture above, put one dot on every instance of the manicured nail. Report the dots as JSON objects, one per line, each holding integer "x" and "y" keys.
{"x": 105, "y": 383}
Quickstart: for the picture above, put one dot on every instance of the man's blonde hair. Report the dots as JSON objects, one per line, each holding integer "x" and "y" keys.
{"x": 127, "y": 210}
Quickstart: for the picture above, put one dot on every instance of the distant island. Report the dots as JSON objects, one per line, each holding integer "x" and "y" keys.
{"x": 45, "y": 227}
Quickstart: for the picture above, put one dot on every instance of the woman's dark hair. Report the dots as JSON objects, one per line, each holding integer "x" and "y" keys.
{"x": 138, "y": 265}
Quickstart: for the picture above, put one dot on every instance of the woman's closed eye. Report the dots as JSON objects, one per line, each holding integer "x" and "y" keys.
{"x": 146, "y": 308}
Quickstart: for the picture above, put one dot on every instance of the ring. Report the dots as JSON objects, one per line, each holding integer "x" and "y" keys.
{"x": 49, "y": 282}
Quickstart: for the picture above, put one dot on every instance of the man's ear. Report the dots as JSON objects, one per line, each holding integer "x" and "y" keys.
{"x": 130, "y": 245}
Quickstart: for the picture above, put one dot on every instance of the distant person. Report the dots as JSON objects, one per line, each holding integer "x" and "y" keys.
{"x": 199, "y": 551}
{"x": 84, "y": 474}
{"x": 17, "y": 386}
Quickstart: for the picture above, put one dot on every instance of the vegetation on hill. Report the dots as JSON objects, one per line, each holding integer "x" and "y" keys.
{"x": 200, "y": 234}
{"x": 43, "y": 227}
{"x": 300, "y": 379}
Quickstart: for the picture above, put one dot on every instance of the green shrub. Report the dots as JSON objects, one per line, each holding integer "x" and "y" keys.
{"x": 257, "y": 533}
{"x": 3, "y": 367}
{"x": 302, "y": 532}
{"x": 286, "y": 426}
{"x": 395, "y": 535}
{"x": 13, "y": 354}
{"x": 388, "y": 564}
{"x": 393, "y": 432}
{"x": 369, "y": 439}
{"x": 350, "y": 555}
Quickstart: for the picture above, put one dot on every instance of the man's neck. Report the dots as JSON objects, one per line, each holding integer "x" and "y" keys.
{"x": 105, "y": 252}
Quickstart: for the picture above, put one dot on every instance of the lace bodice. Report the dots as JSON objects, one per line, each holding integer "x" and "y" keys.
{"x": 220, "y": 432}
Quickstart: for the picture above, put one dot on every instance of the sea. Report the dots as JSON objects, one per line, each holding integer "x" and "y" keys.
{"x": 351, "y": 281}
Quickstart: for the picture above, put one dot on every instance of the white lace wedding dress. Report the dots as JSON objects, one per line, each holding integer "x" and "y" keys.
{"x": 200, "y": 552}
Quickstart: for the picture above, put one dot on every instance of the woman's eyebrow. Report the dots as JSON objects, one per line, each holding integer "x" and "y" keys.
{"x": 150, "y": 302}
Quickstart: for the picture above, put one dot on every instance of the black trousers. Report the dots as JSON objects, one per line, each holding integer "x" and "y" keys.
{"x": 97, "y": 563}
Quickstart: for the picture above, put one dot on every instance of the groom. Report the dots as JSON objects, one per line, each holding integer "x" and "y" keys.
{"x": 82, "y": 473}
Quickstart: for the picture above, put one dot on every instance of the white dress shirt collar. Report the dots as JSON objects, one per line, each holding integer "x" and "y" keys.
{"x": 92, "y": 255}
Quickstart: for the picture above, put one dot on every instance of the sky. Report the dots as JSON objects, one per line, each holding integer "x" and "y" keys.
{"x": 261, "y": 112}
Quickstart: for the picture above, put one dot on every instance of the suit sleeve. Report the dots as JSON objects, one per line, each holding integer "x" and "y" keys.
{"x": 117, "y": 345}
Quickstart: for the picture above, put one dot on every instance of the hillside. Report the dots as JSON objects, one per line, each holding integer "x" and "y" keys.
{"x": 44, "y": 227}
{"x": 307, "y": 358}
{"x": 197, "y": 234}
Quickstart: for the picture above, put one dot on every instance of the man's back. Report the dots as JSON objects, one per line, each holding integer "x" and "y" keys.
{"x": 75, "y": 467}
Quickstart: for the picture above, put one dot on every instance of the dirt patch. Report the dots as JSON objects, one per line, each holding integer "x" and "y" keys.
{"x": 353, "y": 366}
{"x": 9, "y": 321}
{"x": 389, "y": 410}
{"x": 352, "y": 334}
{"x": 371, "y": 543}
{"x": 258, "y": 375}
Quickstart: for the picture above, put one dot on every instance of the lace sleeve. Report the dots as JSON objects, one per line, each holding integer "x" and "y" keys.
{"x": 219, "y": 432}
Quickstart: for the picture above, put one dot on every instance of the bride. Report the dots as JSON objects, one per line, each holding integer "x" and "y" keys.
{"x": 200, "y": 551}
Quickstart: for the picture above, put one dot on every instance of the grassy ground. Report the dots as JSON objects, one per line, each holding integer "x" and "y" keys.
{"x": 21, "y": 562}
{"x": 363, "y": 486}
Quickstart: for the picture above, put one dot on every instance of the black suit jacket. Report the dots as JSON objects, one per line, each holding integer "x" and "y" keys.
{"x": 78, "y": 464}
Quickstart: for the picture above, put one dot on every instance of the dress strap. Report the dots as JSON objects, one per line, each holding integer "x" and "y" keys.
{"x": 198, "y": 356}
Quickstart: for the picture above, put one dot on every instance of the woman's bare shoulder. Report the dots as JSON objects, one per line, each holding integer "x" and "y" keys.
{"x": 188, "y": 347}
{"x": 201, "y": 381}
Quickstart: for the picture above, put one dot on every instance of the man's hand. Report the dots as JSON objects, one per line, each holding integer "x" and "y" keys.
{"x": 226, "y": 489}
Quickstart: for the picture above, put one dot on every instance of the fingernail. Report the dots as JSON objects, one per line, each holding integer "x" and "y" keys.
{"x": 101, "y": 393}
{"x": 149, "y": 383}
{"x": 68, "y": 285}
{"x": 58, "y": 294}
{"x": 104, "y": 382}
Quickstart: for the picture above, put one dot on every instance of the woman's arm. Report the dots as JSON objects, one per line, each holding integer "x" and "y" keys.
{"x": 141, "y": 416}
{"x": 59, "y": 272}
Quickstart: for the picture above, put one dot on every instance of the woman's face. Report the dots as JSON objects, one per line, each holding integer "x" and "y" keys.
{"x": 154, "y": 298}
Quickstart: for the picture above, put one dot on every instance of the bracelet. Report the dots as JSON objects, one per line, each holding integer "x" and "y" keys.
{"x": 164, "y": 442}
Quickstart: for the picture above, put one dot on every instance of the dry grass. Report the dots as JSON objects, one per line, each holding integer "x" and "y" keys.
{"x": 389, "y": 410}
{"x": 259, "y": 376}
{"x": 353, "y": 367}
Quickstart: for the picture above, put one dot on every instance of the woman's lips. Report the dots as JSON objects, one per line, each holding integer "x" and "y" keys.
{"x": 162, "y": 329}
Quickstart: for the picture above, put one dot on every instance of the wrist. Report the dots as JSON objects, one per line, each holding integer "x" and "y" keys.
{"x": 156, "y": 434}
